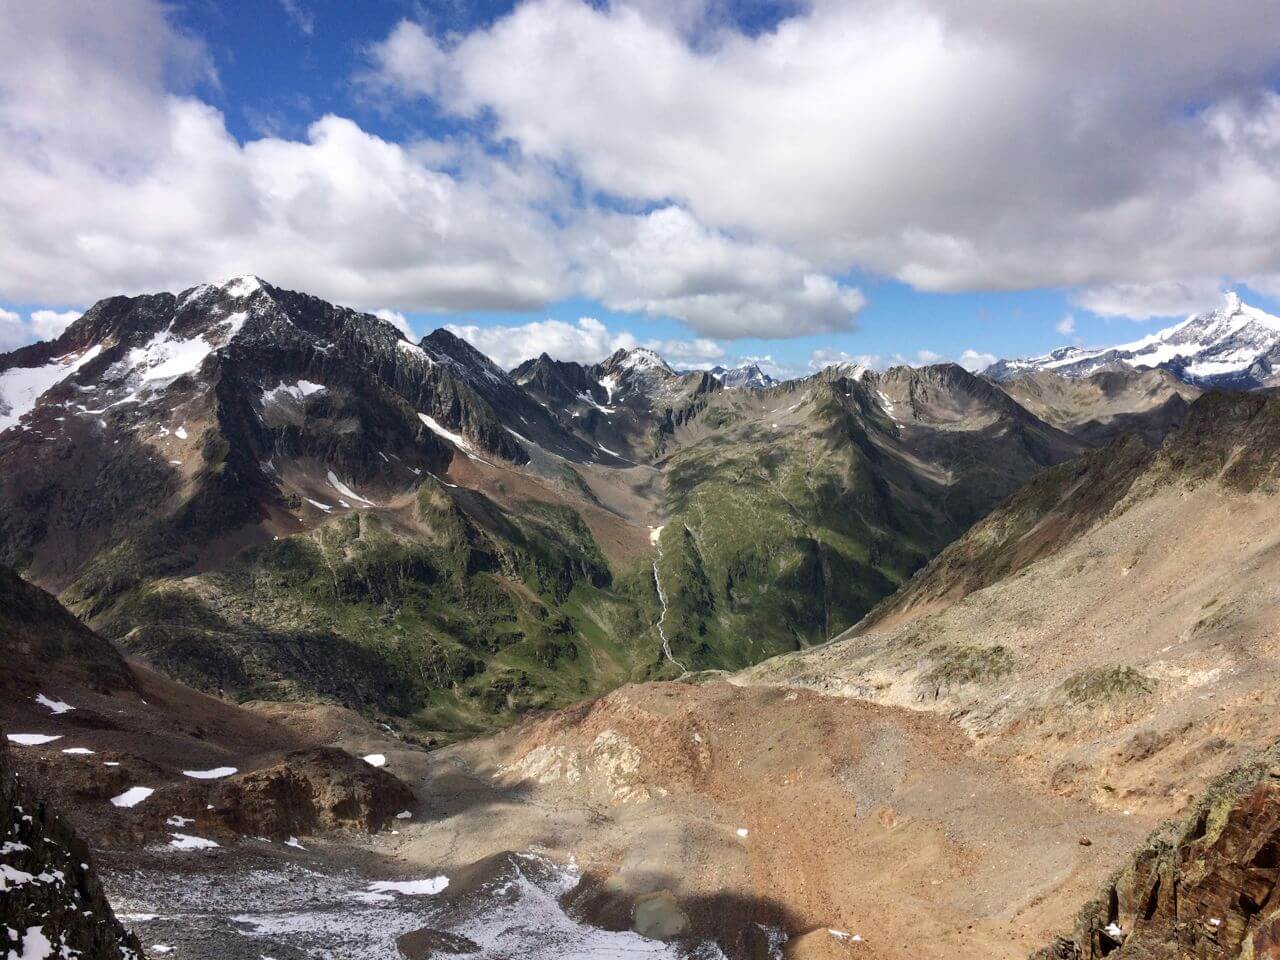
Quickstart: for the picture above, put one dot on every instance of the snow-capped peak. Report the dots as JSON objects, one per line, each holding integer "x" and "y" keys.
{"x": 642, "y": 358}
{"x": 748, "y": 376}
{"x": 243, "y": 286}
{"x": 1234, "y": 345}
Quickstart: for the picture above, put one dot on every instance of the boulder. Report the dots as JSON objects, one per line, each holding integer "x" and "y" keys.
{"x": 309, "y": 790}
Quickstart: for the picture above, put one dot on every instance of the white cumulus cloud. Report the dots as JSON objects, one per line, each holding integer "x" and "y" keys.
{"x": 983, "y": 145}
{"x": 587, "y": 341}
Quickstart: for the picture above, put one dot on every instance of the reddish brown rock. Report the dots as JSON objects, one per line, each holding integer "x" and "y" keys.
{"x": 1208, "y": 892}
{"x": 309, "y": 790}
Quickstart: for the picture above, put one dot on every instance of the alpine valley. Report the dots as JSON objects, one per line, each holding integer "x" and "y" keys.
{"x": 325, "y": 643}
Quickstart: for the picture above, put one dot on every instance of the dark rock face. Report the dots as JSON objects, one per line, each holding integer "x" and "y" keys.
{"x": 1208, "y": 892}
{"x": 560, "y": 380}
{"x": 747, "y": 377}
{"x": 310, "y": 790}
{"x": 49, "y": 892}
{"x": 38, "y": 635}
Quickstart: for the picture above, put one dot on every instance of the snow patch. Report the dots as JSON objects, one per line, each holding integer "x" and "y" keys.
{"x": 32, "y": 739}
{"x": 131, "y": 797}
{"x": 412, "y": 888}
{"x": 296, "y": 391}
{"x": 215, "y": 774}
{"x": 375, "y": 760}
{"x": 78, "y": 751}
{"x": 245, "y": 286}
{"x": 457, "y": 439}
{"x": 22, "y": 387}
{"x": 183, "y": 841}
{"x": 35, "y": 946}
{"x": 346, "y": 491}
{"x": 55, "y": 706}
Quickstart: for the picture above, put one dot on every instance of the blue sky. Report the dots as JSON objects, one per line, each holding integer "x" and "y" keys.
{"x": 678, "y": 171}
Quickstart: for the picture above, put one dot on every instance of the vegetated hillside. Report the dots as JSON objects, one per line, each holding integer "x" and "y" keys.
{"x": 270, "y": 496}
{"x": 1110, "y": 403}
{"x": 1208, "y": 887}
{"x": 87, "y": 727}
{"x": 792, "y": 510}
{"x": 52, "y": 902}
{"x": 1111, "y": 628}
{"x": 249, "y": 487}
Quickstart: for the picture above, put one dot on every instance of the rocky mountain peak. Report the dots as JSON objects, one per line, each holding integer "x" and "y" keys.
{"x": 748, "y": 376}
{"x": 639, "y": 359}
{"x": 1235, "y": 345}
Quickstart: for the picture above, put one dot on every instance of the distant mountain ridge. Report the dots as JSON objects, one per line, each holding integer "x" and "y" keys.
{"x": 748, "y": 376}
{"x": 245, "y": 486}
{"x": 1236, "y": 346}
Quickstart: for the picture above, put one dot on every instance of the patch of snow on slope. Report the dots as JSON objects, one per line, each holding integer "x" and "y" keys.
{"x": 457, "y": 439}
{"x": 375, "y": 760}
{"x": 610, "y": 384}
{"x": 642, "y": 359}
{"x": 404, "y": 346}
{"x": 183, "y": 841}
{"x": 346, "y": 491}
{"x": 78, "y": 751}
{"x": 318, "y": 505}
{"x": 55, "y": 706}
{"x": 132, "y": 797}
{"x": 242, "y": 286}
{"x": 298, "y": 391}
{"x": 166, "y": 357}
{"x": 21, "y": 387}
{"x": 35, "y": 945}
{"x": 586, "y": 398}
{"x": 413, "y": 888}
{"x": 32, "y": 739}
{"x": 216, "y": 773}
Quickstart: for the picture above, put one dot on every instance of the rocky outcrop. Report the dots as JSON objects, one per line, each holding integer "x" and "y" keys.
{"x": 1208, "y": 890}
{"x": 51, "y": 903}
{"x": 310, "y": 790}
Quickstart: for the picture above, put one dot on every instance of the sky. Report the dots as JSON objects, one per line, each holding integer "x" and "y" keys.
{"x": 792, "y": 182}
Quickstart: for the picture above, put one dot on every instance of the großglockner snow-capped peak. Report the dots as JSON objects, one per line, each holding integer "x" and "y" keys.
{"x": 1235, "y": 346}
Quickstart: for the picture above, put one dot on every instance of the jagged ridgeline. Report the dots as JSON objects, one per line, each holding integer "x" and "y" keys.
{"x": 265, "y": 494}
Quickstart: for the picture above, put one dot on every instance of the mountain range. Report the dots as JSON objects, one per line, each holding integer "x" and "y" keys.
{"x": 1233, "y": 347}
{"x": 243, "y": 485}
{"x": 949, "y": 645}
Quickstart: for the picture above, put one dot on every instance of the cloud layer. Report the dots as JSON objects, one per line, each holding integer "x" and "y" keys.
{"x": 653, "y": 157}
{"x": 129, "y": 182}
{"x": 983, "y": 145}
